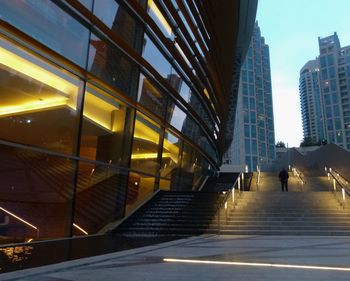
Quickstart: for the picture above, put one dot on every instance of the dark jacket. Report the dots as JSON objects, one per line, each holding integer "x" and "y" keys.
{"x": 283, "y": 175}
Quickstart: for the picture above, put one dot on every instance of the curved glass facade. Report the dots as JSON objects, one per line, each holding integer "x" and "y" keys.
{"x": 102, "y": 103}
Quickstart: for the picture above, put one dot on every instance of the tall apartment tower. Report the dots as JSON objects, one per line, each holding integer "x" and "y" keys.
{"x": 254, "y": 137}
{"x": 310, "y": 101}
{"x": 335, "y": 88}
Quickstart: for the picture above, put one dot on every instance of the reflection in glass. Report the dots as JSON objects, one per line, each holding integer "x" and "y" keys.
{"x": 38, "y": 101}
{"x": 48, "y": 23}
{"x": 150, "y": 97}
{"x": 38, "y": 189}
{"x": 144, "y": 158}
{"x": 111, "y": 65}
{"x": 171, "y": 157}
{"x": 100, "y": 196}
{"x": 120, "y": 22}
{"x": 103, "y": 132}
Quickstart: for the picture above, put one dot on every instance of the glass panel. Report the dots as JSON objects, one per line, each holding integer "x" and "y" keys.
{"x": 171, "y": 157}
{"x": 150, "y": 97}
{"x": 120, "y": 22}
{"x": 140, "y": 187}
{"x": 159, "y": 19}
{"x": 111, "y": 65}
{"x": 144, "y": 158}
{"x": 104, "y": 136}
{"x": 38, "y": 101}
{"x": 152, "y": 54}
{"x": 100, "y": 198}
{"x": 46, "y": 22}
{"x": 38, "y": 188}
{"x": 145, "y": 145}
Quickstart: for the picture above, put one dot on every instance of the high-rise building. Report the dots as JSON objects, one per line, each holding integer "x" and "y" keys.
{"x": 102, "y": 103}
{"x": 334, "y": 89}
{"x": 254, "y": 136}
{"x": 310, "y": 100}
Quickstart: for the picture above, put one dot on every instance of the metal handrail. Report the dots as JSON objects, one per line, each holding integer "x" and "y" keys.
{"x": 225, "y": 203}
{"x": 339, "y": 175}
{"x": 337, "y": 184}
{"x": 299, "y": 175}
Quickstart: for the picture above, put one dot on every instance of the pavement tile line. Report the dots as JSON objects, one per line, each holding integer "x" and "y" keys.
{"x": 295, "y": 266}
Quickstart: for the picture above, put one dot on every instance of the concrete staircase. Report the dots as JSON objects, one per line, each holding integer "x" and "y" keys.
{"x": 287, "y": 213}
{"x": 173, "y": 214}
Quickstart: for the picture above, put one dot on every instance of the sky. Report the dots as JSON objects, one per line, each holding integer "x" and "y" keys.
{"x": 291, "y": 29}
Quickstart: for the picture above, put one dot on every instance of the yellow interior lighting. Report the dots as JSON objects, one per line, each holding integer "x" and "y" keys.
{"x": 332, "y": 268}
{"x": 33, "y": 106}
{"x": 206, "y": 93}
{"x": 143, "y": 132}
{"x": 153, "y": 7}
{"x": 149, "y": 155}
{"x": 36, "y": 72}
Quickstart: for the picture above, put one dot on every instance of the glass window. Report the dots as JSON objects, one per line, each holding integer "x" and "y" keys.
{"x": 176, "y": 117}
{"x": 323, "y": 61}
{"x": 150, "y": 96}
{"x": 247, "y": 146}
{"x": 38, "y": 101}
{"x": 145, "y": 145}
{"x": 331, "y": 72}
{"x": 104, "y": 137}
{"x": 120, "y": 22}
{"x": 171, "y": 157}
{"x": 111, "y": 65}
{"x": 152, "y": 54}
{"x": 246, "y": 131}
{"x": 159, "y": 19}
{"x": 330, "y": 59}
{"x": 49, "y": 24}
{"x": 324, "y": 74}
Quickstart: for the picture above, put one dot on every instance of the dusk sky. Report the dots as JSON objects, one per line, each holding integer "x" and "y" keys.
{"x": 291, "y": 29}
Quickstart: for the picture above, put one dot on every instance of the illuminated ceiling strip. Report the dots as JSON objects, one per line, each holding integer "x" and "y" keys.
{"x": 153, "y": 7}
{"x": 82, "y": 230}
{"x": 32, "y": 70}
{"x": 259, "y": 264}
{"x": 32, "y": 106}
{"x": 18, "y": 218}
{"x": 152, "y": 156}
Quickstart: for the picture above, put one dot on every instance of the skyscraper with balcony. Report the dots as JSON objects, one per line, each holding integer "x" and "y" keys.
{"x": 333, "y": 76}
{"x": 103, "y": 103}
{"x": 335, "y": 88}
{"x": 310, "y": 101}
{"x": 254, "y": 136}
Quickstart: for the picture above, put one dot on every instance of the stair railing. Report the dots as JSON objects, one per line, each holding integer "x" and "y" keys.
{"x": 339, "y": 186}
{"x": 297, "y": 173}
{"x": 229, "y": 200}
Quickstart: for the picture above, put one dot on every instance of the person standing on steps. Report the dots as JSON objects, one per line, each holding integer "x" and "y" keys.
{"x": 283, "y": 176}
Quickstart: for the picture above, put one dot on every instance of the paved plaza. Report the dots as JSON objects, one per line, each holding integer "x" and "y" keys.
{"x": 234, "y": 257}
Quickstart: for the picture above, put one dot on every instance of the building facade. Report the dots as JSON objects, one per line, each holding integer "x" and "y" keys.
{"x": 105, "y": 102}
{"x": 254, "y": 136}
{"x": 334, "y": 85}
{"x": 310, "y": 101}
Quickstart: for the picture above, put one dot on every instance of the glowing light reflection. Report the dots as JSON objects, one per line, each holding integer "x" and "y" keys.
{"x": 259, "y": 264}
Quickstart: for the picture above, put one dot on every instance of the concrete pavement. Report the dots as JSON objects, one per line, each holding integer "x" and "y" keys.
{"x": 148, "y": 263}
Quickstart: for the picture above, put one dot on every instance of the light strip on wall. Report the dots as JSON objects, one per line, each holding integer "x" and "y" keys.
{"x": 259, "y": 264}
{"x": 153, "y": 7}
{"x": 36, "y": 72}
{"x": 18, "y": 218}
{"x": 81, "y": 229}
